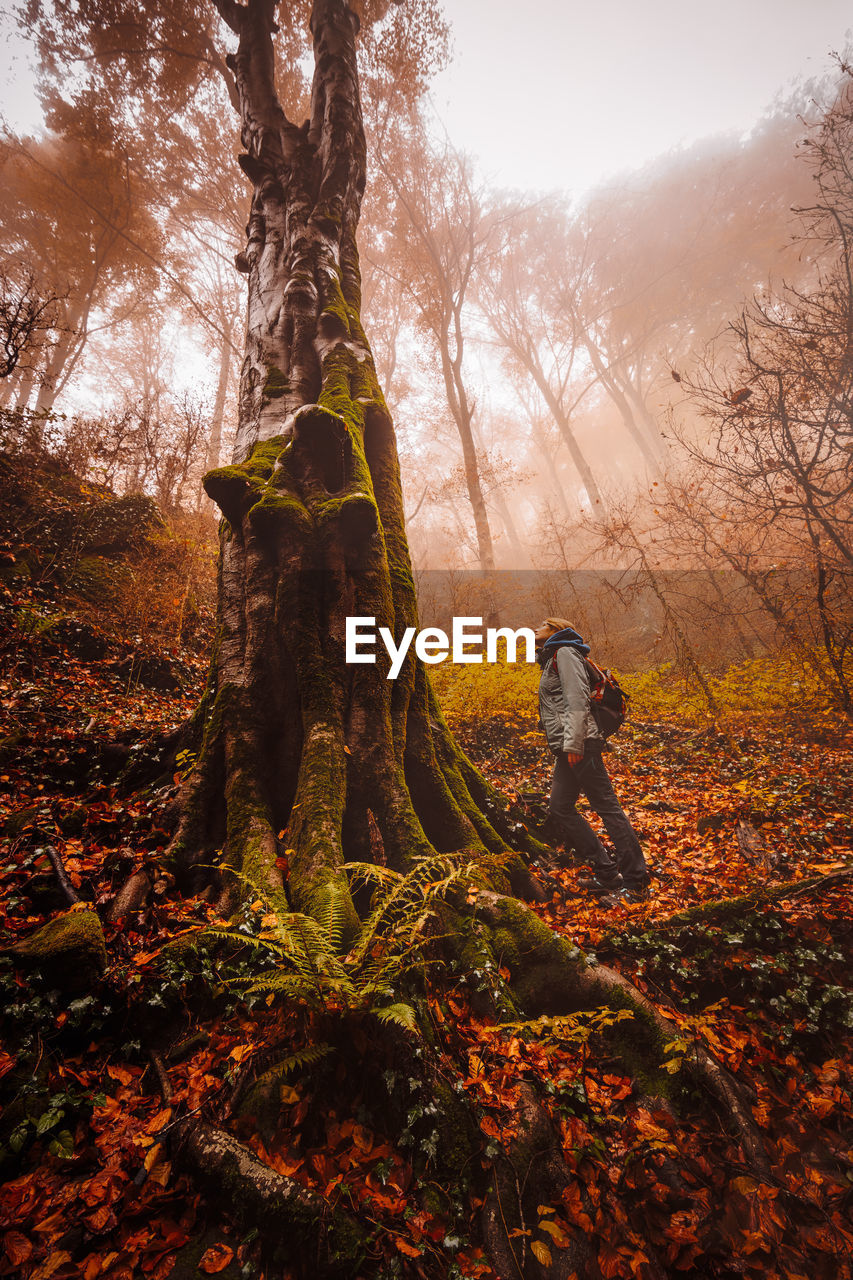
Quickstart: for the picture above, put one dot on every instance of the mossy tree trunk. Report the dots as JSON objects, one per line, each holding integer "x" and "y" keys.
{"x": 302, "y": 752}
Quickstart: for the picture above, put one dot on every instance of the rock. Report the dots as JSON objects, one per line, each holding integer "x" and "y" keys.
{"x": 68, "y": 952}
{"x": 72, "y": 819}
{"x": 131, "y": 897}
{"x": 19, "y": 821}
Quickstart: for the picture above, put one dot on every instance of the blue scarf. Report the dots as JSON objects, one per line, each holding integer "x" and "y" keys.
{"x": 559, "y": 640}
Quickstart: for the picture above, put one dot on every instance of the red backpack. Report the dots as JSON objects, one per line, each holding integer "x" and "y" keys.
{"x": 608, "y": 701}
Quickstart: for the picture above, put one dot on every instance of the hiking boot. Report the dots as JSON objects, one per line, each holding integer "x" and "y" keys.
{"x": 597, "y": 888}
{"x": 631, "y": 895}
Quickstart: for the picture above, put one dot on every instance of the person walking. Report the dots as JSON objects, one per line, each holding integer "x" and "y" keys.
{"x": 577, "y": 743}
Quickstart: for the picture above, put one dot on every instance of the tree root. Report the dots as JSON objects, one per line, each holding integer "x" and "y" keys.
{"x": 718, "y": 910}
{"x": 532, "y": 1172}
{"x": 703, "y": 1068}
{"x": 550, "y": 977}
{"x": 316, "y": 1240}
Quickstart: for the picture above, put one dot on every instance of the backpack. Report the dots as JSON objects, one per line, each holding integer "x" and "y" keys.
{"x": 608, "y": 701}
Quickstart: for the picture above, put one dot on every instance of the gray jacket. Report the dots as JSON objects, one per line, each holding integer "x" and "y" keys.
{"x": 564, "y": 713}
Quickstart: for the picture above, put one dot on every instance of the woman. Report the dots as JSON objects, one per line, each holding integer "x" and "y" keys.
{"x": 577, "y": 744}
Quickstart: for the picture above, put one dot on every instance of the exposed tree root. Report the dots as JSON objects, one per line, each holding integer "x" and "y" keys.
{"x": 530, "y": 1172}
{"x": 549, "y": 976}
{"x": 719, "y": 910}
{"x": 315, "y": 1240}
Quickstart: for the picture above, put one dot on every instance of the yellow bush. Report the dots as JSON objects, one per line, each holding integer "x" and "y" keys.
{"x": 779, "y": 688}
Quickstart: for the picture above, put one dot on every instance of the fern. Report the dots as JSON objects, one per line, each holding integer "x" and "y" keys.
{"x": 306, "y": 952}
{"x": 333, "y": 916}
{"x": 302, "y": 1059}
{"x": 574, "y": 1027}
{"x": 401, "y": 1014}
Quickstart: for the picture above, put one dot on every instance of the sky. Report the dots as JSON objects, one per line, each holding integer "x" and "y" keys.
{"x": 574, "y": 91}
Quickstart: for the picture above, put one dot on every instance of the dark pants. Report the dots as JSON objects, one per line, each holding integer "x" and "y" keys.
{"x": 591, "y": 778}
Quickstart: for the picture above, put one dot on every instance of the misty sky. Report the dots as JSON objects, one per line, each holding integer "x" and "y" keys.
{"x": 563, "y": 93}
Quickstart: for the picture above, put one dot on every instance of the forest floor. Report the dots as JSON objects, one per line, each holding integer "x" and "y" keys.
{"x": 88, "y": 1185}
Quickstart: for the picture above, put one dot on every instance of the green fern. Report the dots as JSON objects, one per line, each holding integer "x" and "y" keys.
{"x": 391, "y": 942}
{"x": 299, "y": 1061}
{"x": 401, "y": 1014}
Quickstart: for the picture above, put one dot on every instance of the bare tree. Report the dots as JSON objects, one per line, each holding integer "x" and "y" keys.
{"x": 441, "y": 234}
{"x": 25, "y": 312}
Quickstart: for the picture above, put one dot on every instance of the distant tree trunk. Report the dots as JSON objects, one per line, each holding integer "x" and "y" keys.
{"x": 25, "y": 388}
{"x": 8, "y": 387}
{"x": 463, "y": 415}
{"x": 295, "y": 740}
{"x": 524, "y": 350}
{"x": 584, "y": 470}
{"x": 522, "y": 556}
{"x": 648, "y": 441}
{"x": 62, "y": 357}
{"x": 214, "y": 444}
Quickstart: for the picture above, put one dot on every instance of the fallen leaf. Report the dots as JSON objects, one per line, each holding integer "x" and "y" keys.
{"x": 216, "y": 1258}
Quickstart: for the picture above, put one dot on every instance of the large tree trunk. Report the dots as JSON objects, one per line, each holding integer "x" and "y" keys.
{"x": 300, "y": 750}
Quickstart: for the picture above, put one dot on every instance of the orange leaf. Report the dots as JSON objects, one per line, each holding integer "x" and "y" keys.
{"x": 541, "y": 1252}
{"x": 17, "y": 1246}
{"x": 362, "y": 1138}
{"x": 121, "y": 1074}
{"x": 215, "y": 1259}
{"x": 404, "y": 1246}
{"x": 51, "y": 1264}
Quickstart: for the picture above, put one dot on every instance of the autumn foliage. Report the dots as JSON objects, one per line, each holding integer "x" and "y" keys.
{"x": 744, "y": 946}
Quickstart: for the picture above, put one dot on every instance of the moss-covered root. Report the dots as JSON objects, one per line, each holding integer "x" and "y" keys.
{"x": 613, "y": 988}
{"x": 315, "y": 1240}
{"x": 550, "y": 976}
{"x": 68, "y": 951}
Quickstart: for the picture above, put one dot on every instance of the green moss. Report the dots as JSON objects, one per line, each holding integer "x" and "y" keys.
{"x": 230, "y": 487}
{"x": 276, "y": 384}
{"x": 18, "y": 822}
{"x": 98, "y": 579}
{"x": 69, "y": 951}
{"x": 276, "y": 510}
{"x": 506, "y": 950}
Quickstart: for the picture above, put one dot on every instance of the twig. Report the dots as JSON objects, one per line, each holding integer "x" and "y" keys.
{"x": 162, "y": 1075}
{"x": 503, "y": 1223}
{"x": 69, "y": 892}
